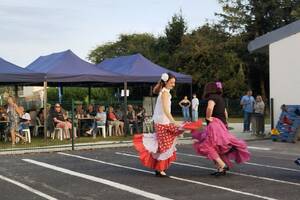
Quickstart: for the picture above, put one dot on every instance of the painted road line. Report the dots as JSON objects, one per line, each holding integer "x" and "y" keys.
{"x": 172, "y": 177}
{"x": 229, "y": 172}
{"x": 28, "y": 188}
{"x": 247, "y": 163}
{"x": 98, "y": 180}
{"x": 260, "y": 148}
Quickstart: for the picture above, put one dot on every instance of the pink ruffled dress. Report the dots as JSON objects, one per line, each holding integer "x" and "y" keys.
{"x": 216, "y": 141}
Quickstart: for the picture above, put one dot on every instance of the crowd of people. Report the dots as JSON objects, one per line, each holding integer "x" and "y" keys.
{"x": 14, "y": 120}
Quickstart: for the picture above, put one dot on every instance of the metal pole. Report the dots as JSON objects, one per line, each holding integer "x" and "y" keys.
{"x": 16, "y": 91}
{"x": 73, "y": 123}
{"x": 151, "y": 97}
{"x": 45, "y": 110}
{"x": 272, "y": 112}
{"x": 126, "y": 125}
{"x": 89, "y": 94}
{"x": 191, "y": 109}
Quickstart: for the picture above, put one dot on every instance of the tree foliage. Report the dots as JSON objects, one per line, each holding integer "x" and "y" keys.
{"x": 213, "y": 51}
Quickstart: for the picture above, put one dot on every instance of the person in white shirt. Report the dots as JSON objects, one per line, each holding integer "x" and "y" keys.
{"x": 24, "y": 121}
{"x": 195, "y": 104}
{"x": 157, "y": 150}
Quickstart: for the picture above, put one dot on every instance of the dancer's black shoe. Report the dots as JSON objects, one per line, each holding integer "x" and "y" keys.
{"x": 160, "y": 174}
{"x": 297, "y": 162}
{"x": 220, "y": 172}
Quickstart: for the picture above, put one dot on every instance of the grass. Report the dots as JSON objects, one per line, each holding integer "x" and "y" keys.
{"x": 41, "y": 142}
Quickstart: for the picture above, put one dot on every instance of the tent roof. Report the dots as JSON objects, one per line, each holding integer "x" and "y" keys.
{"x": 260, "y": 43}
{"x": 67, "y": 67}
{"x": 11, "y": 73}
{"x": 137, "y": 68}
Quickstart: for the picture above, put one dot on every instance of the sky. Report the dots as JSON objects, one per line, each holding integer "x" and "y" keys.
{"x": 32, "y": 28}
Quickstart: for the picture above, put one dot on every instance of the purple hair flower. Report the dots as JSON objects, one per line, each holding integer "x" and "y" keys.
{"x": 219, "y": 85}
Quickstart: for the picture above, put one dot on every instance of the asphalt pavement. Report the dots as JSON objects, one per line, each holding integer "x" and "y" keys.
{"x": 116, "y": 173}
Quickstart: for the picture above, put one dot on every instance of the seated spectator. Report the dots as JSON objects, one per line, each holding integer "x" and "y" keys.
{"x": 100, "y": 119}
{"x": 79, "y": 111}
{"x": 112, "y": 119}
{"x": 3, "y": 114}
{"x": 141, "y": 113}
{"x": 40, "y": 115}
{"x": 119, "y": 114}
{"x": 90, "y": 124}
{"x": 101, "y": 116}
{"x": 60, "y": 120}
{"x": 33, "y": 115}
{"x": 90, "y": 112}
{"x": 24, "y": 120}
{"x": 132, "y": 119}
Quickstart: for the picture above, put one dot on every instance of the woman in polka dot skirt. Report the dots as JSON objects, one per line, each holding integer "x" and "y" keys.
{"x": 157, "y": 150}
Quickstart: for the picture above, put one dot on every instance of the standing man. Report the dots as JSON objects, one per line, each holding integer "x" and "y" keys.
{"x": 195, "y": 104}
{"x": 247, "y": 102}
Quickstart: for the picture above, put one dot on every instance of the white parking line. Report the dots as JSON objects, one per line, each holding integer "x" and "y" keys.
{"x": 28, "y": 188}
{"x": 260, "y": 148}
{"x": 247, "y": 163}
{"x": 172, "y": 177}
{"x": 99, "y": 180}
{"x": 235, "y": 173}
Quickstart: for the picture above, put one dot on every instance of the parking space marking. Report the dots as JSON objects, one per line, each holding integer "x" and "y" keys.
{"x": 247, "y": 163}
{"x": 98, "y": 180}
{"x": 28, "y": 188}
{"x": 229, "y": 172}
{"x": 172, "y": 177}
{"x": 260, "y": 148}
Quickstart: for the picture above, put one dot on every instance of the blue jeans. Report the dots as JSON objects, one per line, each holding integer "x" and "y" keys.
{"x": 247, "y": 116}
{"x": 194, "y": 115}
{"x": 186, "y": 113}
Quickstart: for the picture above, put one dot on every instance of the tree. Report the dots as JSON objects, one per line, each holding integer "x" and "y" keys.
{"x": 175, "y": 30}
{"x": 248, "y": 19}
{"x": 126, "y": 44}
{"x": 208, "y": 54}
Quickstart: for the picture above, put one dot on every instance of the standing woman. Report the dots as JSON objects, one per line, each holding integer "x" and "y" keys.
{"x": 157, "y": 150}
{"x": 219, "y": 145}
{"x": 14, "y": 114}
{"x": 185, "y": 105}
{"x": 259, "y": 110}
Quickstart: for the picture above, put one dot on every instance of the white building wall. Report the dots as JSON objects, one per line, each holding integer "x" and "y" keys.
{"x": 285, "y": 73}
{"x": 29, "y": 91}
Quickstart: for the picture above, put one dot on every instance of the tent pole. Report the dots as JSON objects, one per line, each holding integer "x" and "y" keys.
{"x": 45, "y": 110}
{"x": 16, "y": 91}
{"x": 89, "y": 94}
{"x": 191, "y": 109}
{"x": 126, "y": 125}
{"x": 151, "y": 97}
{"x": 59, "y": 92}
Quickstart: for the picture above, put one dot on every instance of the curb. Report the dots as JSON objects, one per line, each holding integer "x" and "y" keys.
{"x": 89, "y": 146}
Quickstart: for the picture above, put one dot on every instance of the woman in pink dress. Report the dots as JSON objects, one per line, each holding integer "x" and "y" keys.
{"x": 157, "y": 150}
{"x": 216, "y": 142}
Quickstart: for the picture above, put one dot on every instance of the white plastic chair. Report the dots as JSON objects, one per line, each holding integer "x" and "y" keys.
{"x": 37, "y": 126}
{"x": 59, "y": 135}
{"x": 27, "y": 135}
{"x": 103, "y": 130}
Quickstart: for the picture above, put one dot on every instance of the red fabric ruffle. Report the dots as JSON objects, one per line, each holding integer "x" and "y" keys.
{"x": 146, "y": 157}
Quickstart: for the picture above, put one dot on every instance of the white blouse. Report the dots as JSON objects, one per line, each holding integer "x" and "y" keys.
{"x": 159, "y": 116}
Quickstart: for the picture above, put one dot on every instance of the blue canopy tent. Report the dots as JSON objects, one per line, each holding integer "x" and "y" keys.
{"x": 12, "y": 74}
{"x": 137, "y": 68}
{"x": 66, "y": 67}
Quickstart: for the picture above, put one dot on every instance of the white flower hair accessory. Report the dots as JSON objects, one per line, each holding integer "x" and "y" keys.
{"x": 165, "y": 77}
